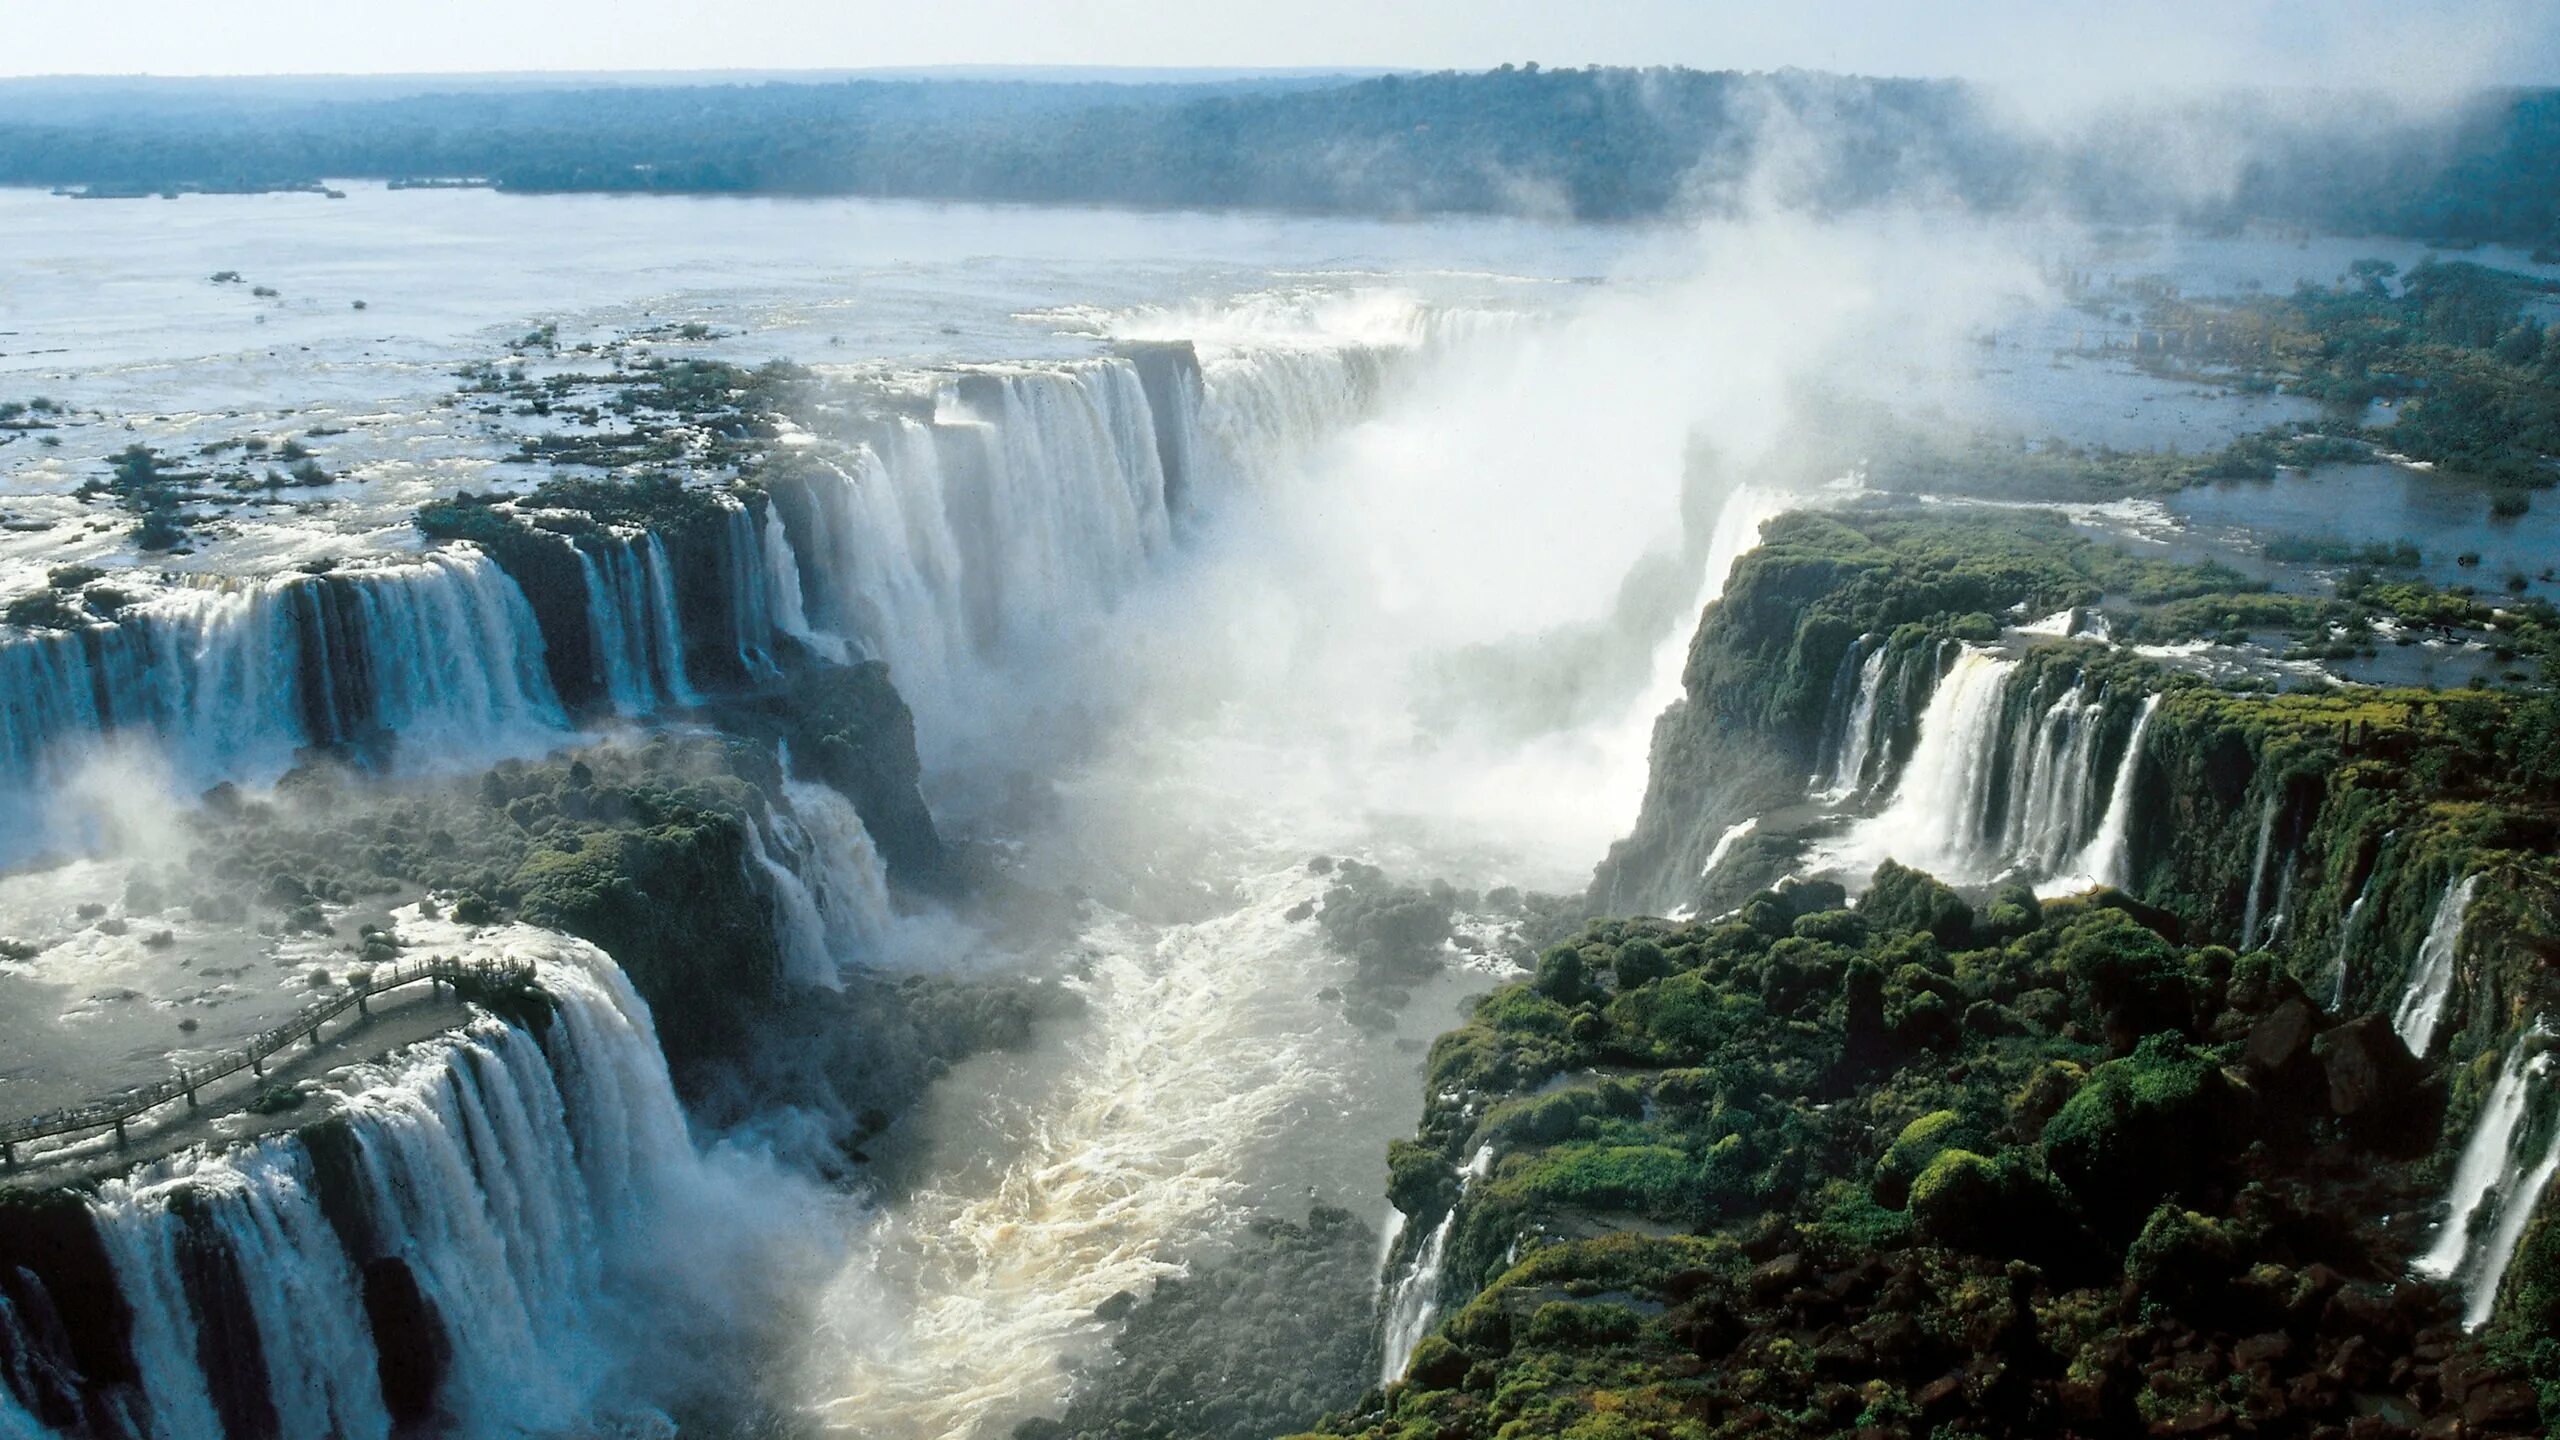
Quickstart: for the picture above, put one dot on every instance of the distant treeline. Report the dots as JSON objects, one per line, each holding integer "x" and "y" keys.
{"x": 1593, "y": 144}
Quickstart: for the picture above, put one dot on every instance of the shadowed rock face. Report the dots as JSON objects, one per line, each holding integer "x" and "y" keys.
{"x": 412, "y": 1351}
{"x": 58, "y": 1282}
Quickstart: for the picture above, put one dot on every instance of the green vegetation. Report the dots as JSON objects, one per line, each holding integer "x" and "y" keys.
{"x": 1894, "y": 1169}
{"x": 2473, "y": 375}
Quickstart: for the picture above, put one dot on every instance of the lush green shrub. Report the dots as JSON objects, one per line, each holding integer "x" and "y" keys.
{"x": 2144, "y": 1128}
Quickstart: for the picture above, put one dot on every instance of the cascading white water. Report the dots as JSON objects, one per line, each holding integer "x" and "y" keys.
{"x": 751, "y": 610}
{"x": 2258, "y": 870}
{"x": 1263, "y": 407}
{"x": 452, "y": 655}
{"x": 1934, "y": 821}
{"x": 2046, "y": 817}
{"x": 842, "y": 868}
{"x": 2108, "y": 857}
{"x": 666, "y": 623}
{"x": 502, "y": 1173}
{"x": 782, "y": 584}
{"x": 829, "y": 884}
{"x": 2505, "y": 1166}
{"x": 1415, "y": 1300}
{"x": 1060, "y": 490}
{"x": 621, "y": 655}
{"x": 805, "y": 957}
{"x": 1725, "y": 842}
{"x": 1848, "y": 775}
{"x": 2347, "y": 930}
{"x": 1006, "y": 506}
{"x": 633, "y": 624}
{"x": 230, "y": 681}
{"x": 2422, "y": 1002}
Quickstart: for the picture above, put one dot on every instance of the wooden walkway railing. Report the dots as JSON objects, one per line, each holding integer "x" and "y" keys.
{"x": 253, "y": 1057}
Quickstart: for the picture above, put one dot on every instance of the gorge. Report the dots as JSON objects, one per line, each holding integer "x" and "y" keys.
{"x": 1018, "y": 782}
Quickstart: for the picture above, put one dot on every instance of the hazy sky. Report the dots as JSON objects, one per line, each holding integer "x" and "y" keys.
{"x": 2056, "y": 48}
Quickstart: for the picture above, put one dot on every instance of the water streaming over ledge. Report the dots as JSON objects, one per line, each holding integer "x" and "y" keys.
{"x": 2431, "y": 974}
{"x": 1413, "y": 1302}
{"x": 2505, "y": 1166}
{"x": 445, "y": 1258}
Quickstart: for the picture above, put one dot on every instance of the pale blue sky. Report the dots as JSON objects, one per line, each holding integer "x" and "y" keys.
{"x": 2056, "y": 50}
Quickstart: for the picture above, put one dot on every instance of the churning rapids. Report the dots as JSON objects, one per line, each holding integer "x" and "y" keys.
{"x": 1199, "y": 547}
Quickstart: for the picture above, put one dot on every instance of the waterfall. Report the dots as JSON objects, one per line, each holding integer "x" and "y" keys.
{"x": 830, "y": 886}
{"x": 2258, "y": 869}
{"x": 805, "y": 957}
{"x": 1858, "y": 731}
{"x": 2045, "y": 814}
{"x": 1065, "y": 493}
{"x": 1725, "y": 842}
{"x": 1935, "y": 819}
{"x": 2349, "y": 929}
{"x": 1415, "y": 1300}
{"x": 451, "y": 654}
{"x": 2346, "y": 945}
{"x": 751, "y": 611}
{"x": 632, "y": 620}
{"x": 231, "y": 681}
{"x": 666, "y": 622}
{"x": 472, "y": 1202}
{"x": 1003, "y": 507}
{"x": 622, "y": 665}
{"x": 1262, "y": 408}
{"x": 2509, "y": 1160}
{"x": 782, "y": 584}
{"x": 2108, "y": 857}
{"x": 2421, "y": 1007}
{"x": 843, "y": 868}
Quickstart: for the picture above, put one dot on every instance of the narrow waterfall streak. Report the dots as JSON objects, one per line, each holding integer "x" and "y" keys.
{"x": 2258, "y": 869}
{"x": 1745, "y": 510}
{"x": 2422, "y": 1003}
{"x": 2108, "y": 857}
{"x": 666, "y": 624}
{"x": 1390, "y": 1230}
{"x": 2506, "y": 1164}
{"x": 2347, "y": 931}
{"x": 1847, "y": 780}
{"x": 782, "y": 584}
{"x": 2283, "y": 910}
{"x": 1415, "y": 1301}
{"x": 751, "y": 618}
{"x": 1732, "y": 836}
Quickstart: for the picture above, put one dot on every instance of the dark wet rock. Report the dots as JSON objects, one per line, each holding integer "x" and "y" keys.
{"x": 2368, "y": 1069}
{"x": 2281, "y": 1039}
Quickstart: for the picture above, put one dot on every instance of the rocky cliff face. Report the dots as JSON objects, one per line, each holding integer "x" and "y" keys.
{"x": 2252, "y": 1144}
